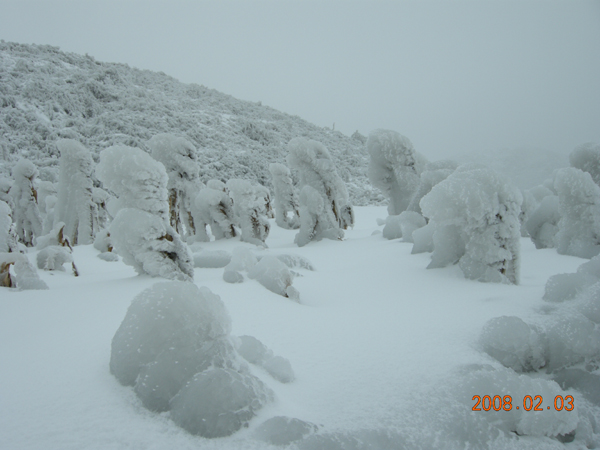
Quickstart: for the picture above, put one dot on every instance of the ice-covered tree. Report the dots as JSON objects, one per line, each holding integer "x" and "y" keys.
{"x": 586, "y": 157}
{"x": 315, "y": 222}
{"x": 316, "y": 169}
{"x": 26, "y": 214}
{"x": 140, "y": 231}
{"x": 213, "y": 208}
{"x": 475, "y": 214}
{"x": 394, "y": 167}
{"x": 179, "y": 157}
{"x": 75, "y": 206}
{"x": 5, "y": 185}
{"x": 250, "y": 210}
{"x": 579, "y": 208}
{"x": 286, "y": 199}
{"x": 542, "y": 224}
{"x": 433, "y": 173}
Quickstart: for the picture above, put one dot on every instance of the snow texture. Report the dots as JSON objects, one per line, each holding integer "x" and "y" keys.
{"x": 250, "y": 210}
{"x": 394, "y": 168}
{"x": 8, "y": 235}
{"x": 148, "y": 244}
{"x": 212, "y": 259}
{"x": 477, "y": 208}
{"x": 542, "y": 225}
{"x": 579, "y": 207}
{"x": 433, "y": 173}
{"x": 316, "y": 169}
{"x": 174, "y": 347}
{"x": 74, "y": 205}
{"x": 53, "y": 257}
{"x": 275, "y": 276}
{"x": 26, "y": 214}
{"x": 281, "y": 430}
{"x": 286, "y": 197}
{"x": 137, "y": 180}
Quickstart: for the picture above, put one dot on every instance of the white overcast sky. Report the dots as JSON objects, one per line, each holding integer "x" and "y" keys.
{"x": 453, "y": 76}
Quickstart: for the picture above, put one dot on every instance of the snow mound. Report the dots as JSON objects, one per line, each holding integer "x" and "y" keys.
{"x": 212, "y": 259}
{"x": 572, "y": 339}
{"x": 281, "y": 430}
{"x": 25, "y": 275}
{"x": 565, "y": 286}
{"x": 275, "y": 276}
{"x": 542, "y": 224}
{"x": 513, "y": 343}
{"x": 174, "y": 347}
{"x": 255, "y": 352}
{"x": 53, "y": 257}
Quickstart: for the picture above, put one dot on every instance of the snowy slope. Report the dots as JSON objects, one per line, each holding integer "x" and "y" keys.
{"x": 378, "y": 344}
{"x": 46, "y": 94}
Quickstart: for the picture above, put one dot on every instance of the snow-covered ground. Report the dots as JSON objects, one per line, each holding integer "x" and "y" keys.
{"x": 377, "y": 345}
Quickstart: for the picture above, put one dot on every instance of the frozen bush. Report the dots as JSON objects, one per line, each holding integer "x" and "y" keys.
{"x": 513, "y": 343}
{"x": 255, "y": 352}
{"x": 53, "y": 257}
{"x": 8, "y": 235}
{"x": 589, "y": 303}
{"x": 169, "y": 316}
{"x": 213, "y": 208}
{"x": 25, "y": 276}
{"x": 56, "y": 238}
{"x": 585, "y": 382}
{"x": 410, "y": 221}
{"x": 138, "y": 180}
{"x": 148, "y": 244}
{"x": 315, "y": 223}
{"x": 579, "y": 207}
{"x": 572, "y": 339}
{"x": 528, "y": 206}
{"x": 26, "y": 214}
{"x": 477, "y": 207}
{"x": 286, "y": 198}
{"x": 423, "y": 238}
{"x": 296, "y": 262}
{"x": 485, "y": 380}
{"x": 394, "y": 167}
{"x": 250, "y": 210}
{"x": 103, "y": 241}
{"x": 586, "y": 157}
{"x": 282, "y": 430}
{"x": 5, "y": 185}
{"x": 180, "y": 159}
{"x": 392, "y": 228}
{"x": 74, "y": 205}
{"x": 275, "y": 276}
{"x": 433, "y": 173}
{"x": 316, "y": 169}
{"x": 218, "y": 402}
{"x": 542, "y": 224}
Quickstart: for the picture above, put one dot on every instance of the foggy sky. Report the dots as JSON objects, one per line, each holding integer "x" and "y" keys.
{"x": 453, "y": 76}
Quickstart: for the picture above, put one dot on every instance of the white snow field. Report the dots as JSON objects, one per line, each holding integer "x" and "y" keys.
{"x": 378, "y": 344}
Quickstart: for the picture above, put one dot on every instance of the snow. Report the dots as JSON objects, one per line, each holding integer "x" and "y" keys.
{"x": 384, "y": 352}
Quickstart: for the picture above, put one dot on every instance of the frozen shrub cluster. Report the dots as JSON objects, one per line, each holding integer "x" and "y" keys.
{"x": 140, "y": 231}
{"x": 475, "y": 218}
{"x": 286, "y": 197}
{"x": 8, "y": 235}
{"x": 324, "y": 198}
{"x": 213, "y": 208}
{"x": 179, "y": 156}
{"x": 434, "y": 172}
{"x": 586, "y": 157}
{"x": 25, "y": 276}
{"x": 175, "y": 349}
{"x": 255, "y": 352}
{"x": 250, "y": 210}
{"x": 394, "y": 168}
{"x": 269, "y": 271}
{"x": 75, "y": 206}
{"x": 542, "y": 224}
{"x": 26, "y": 214}
{"x": 55, "y": 250}
{"x": 579, "y": 207}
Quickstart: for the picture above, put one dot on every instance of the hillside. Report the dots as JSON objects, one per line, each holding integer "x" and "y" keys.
{"x": 47, "y": 94}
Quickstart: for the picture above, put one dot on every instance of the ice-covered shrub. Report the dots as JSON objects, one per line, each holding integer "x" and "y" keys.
{"x": 394, "y": 167}
{"x": 179, "y": 156}
{"x": 275, "y": 276}
{"x": 281, "y": 430}
{"x": 579, "y": 207}
{"x": 433, "y": 173}
{"x": 316, "y": 169}
{"x": 514, "y": 343}
{"x": 477, "y": 208}
{"x": 255, "y": 352}
{"x": 542, "y": 224}
{"x": 572, "y": 339}
{"x": 423, "y": 239}
{"x": 528, "y": 206}
{"x": 150, "y": 245}
{"x": 315, "y": 223}
{"x": 296, "y": 261}
{"x": 103, "y": 241}
{"x": 286, "y": 198}
{"x": 213, "y": 208}
{"x": 242, "y": 259}
{"x": 26, "y": 214}
{"x": 5, "y": 185}
{"x": 250, "y": 210}
{"x": 174, "y": 347}
{"x": 74, "y": 206}
{"x": 138, "y": 180}
{"x": 25, "y": 276}
{"x": 586, "y": 157}
{"x": 8, "y": 235}
{"x": 565, "y": 286}
{"x": 54, "y": 259}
